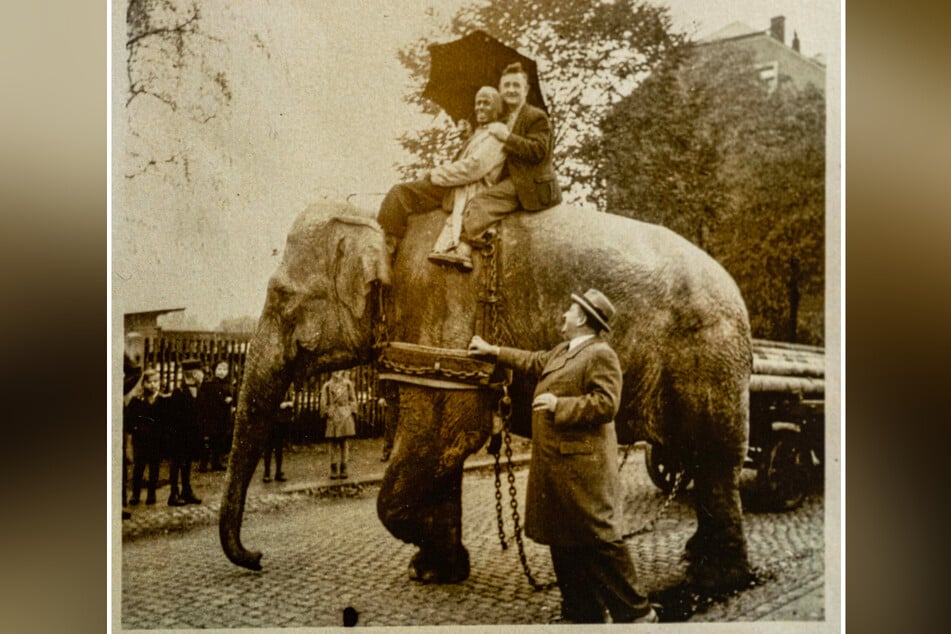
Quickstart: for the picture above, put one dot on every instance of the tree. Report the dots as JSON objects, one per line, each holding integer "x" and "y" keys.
{"x": 243, "y": 324}
{"x": 704, "y": 148}
{"x": 775, "y": 245}
{"x": 177, "y": 72}
{"x": 589, "y": 55}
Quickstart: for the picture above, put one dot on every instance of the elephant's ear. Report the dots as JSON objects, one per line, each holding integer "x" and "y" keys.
{"x": 360, "y": 261}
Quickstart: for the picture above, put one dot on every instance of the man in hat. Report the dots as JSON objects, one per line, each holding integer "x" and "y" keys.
{"x": 185, "y": 440}
{"x": 573, "y": 497}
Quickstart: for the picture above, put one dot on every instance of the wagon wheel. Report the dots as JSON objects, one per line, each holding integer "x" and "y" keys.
{"x": 662, "y": 468}
{"x": 784, "y": 475}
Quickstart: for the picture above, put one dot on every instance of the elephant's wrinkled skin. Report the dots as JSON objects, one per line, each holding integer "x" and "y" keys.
{"x": 681, "y": 333}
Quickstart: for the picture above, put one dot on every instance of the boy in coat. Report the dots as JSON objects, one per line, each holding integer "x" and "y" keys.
{"x": 573, "y": 501}
{"x": 184, "y": 433}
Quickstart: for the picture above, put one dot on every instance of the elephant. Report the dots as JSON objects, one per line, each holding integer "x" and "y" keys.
{"x": 681, "y": 333}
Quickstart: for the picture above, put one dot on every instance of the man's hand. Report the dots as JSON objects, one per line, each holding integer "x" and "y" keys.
{"x": 464, "y": 128}
{"x": 545, "y": 402}
{"x": 480, "y": 347}
{"x": 499, "y": 130}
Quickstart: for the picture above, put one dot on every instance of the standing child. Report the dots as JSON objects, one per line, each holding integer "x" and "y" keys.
{"x": 338, "y": 402}
{"x": 275, "y": 441}
{"x": 145, "y": 416}
{"x": 216, "y": 398}
{"x": 184, "y": 433}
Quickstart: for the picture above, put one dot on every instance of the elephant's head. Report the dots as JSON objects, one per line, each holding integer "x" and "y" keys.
{"x": 318, "y": 315}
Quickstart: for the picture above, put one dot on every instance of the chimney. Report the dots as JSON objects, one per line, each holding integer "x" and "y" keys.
{"x": 777, "y": 28}
{"x": 795, "y": 41}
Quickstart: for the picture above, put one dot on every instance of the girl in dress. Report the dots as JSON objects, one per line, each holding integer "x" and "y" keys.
{"x": 338, "y": 402}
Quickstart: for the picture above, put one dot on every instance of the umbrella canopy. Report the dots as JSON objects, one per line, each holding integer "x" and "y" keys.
{"x": 459, "y": 68}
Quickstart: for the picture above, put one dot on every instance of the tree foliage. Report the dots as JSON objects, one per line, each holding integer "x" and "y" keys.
{"x": 706, "y": 149}
{"x": 590, "y": 54}
{"x": 243, "y": 324}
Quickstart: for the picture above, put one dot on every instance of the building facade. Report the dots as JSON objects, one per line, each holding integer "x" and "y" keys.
{"x": 775, "y": 61}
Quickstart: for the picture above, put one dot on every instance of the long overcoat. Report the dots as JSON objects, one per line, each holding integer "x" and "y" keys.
{"x": 183, "y": 425}
{"x": 573, "y": 486}
{"x": 214, "y": 412}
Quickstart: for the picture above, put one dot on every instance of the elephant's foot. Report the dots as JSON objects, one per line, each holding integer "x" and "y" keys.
{"x": 715, "y": 571}
{"x": 432, "y": 566}
{"x": 698, "y": 547}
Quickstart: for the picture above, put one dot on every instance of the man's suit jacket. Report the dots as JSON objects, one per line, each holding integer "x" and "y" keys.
{"x": 573, "y": 486}
{"x": 528, "y": 160}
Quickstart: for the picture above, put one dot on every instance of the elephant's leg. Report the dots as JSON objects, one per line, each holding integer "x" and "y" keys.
{"x": 714, "y": 410}
{"x": 420, "y": 499}
{"x": 717, "y": 553}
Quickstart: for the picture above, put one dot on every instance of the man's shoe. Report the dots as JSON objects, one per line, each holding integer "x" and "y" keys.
{"x": 150, "y": 499}
{"x": 650, "y": 617}
{"x": 280, "y": 478}
{"x": 174, "y": 500}
{"x": 343, "y": 472}
{"x": 133, "y": 502}
{"x": 452, "y": 259}
{"x": 126, "y": 515}
{"x": 333, "y": 471}
{"x": 482, "y": 241}
{"x": 190, "y": 498}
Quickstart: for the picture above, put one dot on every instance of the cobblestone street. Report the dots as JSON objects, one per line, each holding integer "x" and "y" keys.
{"x": 327, "y": 551}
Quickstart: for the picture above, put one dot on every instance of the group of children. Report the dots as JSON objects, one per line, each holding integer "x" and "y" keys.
{"x": 191, "y": 424}
{"x": 194, "y": 423}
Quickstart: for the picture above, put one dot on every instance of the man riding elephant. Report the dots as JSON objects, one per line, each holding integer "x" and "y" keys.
{"x": 527, "y": 180}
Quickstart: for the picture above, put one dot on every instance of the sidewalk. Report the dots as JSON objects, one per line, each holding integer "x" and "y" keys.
{"x": 307, "y": 469}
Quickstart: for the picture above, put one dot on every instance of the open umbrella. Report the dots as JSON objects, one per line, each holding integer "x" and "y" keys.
{"x": 459, "y": 68}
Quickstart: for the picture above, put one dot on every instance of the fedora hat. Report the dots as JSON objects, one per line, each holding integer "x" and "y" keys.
{"x": 596, "y": 305}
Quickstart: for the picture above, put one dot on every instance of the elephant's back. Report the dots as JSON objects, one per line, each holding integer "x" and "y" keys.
{"x": 653, "y": 275}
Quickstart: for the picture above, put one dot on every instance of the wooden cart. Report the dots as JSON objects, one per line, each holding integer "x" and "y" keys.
{"x": 787, "y": 426}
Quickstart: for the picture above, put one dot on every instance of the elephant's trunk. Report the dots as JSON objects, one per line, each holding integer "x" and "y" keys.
{"x": 265, "y": 382}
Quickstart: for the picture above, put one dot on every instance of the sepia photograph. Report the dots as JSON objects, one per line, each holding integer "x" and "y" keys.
{"x": 494, "y": 313}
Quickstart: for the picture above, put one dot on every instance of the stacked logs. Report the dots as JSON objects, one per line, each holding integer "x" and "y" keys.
{"x": 787, "y": 367}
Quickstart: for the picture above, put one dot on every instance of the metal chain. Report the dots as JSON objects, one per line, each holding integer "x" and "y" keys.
{"x": 538, "y": 587}
{"x": 380, "y": 331}
{"x": 498, "y": 500}
{"x": 493, "y": 307}
{"x": 649, "y": 525}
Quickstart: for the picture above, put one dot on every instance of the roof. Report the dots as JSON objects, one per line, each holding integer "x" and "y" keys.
{"x": 735, "y": 29}
{"x": 160, "y": 311}
{"x": 738, "y": 31}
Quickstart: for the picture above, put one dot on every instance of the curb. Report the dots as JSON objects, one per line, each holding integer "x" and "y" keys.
{"x": 179, "y": 519}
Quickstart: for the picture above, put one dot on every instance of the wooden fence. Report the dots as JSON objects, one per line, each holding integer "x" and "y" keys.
{"x": 166, "y": 351}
